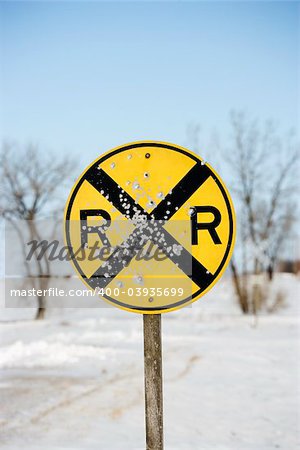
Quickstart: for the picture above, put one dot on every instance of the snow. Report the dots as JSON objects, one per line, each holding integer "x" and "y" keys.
{"x": 231, "y": 382}
{"x": 44, "y": 354}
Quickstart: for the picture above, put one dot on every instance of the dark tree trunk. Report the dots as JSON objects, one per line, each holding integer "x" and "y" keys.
{"x": 41, "y": 310}
{"x": 270, "y": 271}
{"x": 241, "y": 293}
{"x": 40, "y": 314}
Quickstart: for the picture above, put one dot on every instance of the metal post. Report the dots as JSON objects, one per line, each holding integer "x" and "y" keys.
{"x": 153, "y": 382}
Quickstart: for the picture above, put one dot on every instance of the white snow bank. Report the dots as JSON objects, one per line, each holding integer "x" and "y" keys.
{"x": 44, "y": 354}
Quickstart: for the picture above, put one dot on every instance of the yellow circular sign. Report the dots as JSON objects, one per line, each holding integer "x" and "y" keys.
{"x": 150, "y": 226}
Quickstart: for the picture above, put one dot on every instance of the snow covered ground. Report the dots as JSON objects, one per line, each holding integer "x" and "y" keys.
{"x": 75, "y": 380}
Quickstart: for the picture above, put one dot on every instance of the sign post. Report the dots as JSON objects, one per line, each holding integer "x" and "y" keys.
{"x": 150, "y": 228}
{"x": 153, "y": 382}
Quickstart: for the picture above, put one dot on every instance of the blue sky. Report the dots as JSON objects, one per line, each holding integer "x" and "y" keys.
{"x": 80, "y": 77}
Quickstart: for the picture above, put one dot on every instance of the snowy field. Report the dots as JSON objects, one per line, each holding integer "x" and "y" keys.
{"x": 75, "y": 380}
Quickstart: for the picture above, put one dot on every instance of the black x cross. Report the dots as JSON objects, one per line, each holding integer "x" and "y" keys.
{"x": 101, "y": 181}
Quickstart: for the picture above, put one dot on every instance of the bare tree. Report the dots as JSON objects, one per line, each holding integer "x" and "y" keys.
{"x": 263, "y": 167}
{"x": 31, "y": 184}
{"x": 193, "y": 136}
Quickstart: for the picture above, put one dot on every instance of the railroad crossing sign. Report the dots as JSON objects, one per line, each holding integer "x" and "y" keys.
{"x": 150, "y": 227}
